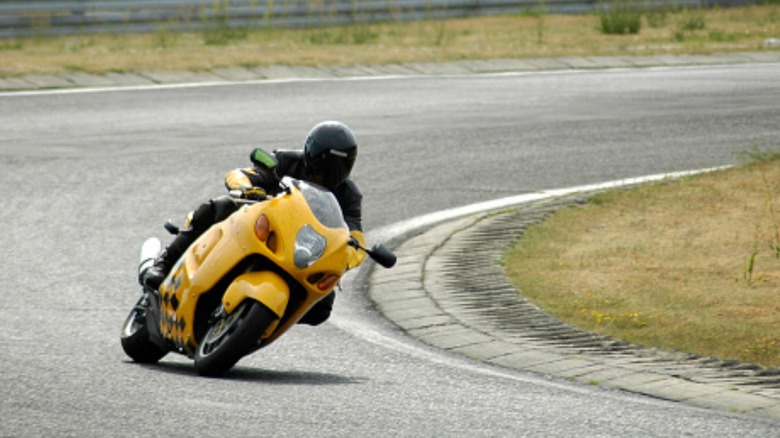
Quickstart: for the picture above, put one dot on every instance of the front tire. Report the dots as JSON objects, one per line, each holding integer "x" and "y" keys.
{"x": 231, "y": 337}
{"x": 135, "y": 335}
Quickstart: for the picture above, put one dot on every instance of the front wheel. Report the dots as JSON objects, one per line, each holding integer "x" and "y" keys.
{"x": 135, "y": 335}
{"x": 231, "y": 337}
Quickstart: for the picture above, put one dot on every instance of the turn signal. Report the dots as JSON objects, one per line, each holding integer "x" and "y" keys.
{"x": 328, "y": 282}
{"x": 262, "y": 228}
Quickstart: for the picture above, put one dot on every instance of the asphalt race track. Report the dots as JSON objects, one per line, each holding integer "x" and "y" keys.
{"x": 85, "y": 177}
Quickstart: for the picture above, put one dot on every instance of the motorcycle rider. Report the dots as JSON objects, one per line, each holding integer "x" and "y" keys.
{"x": 327, "y": 159}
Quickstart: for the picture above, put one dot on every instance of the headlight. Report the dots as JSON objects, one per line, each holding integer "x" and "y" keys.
{"x": 309, "y": 247}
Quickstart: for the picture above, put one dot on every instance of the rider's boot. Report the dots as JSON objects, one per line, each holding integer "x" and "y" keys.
{"x": 201, "y": 219}
{"x": 320, "y": 312}
{"x": 153, "y": 276}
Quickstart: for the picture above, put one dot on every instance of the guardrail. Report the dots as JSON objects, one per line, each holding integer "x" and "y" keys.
{"x": 69, "y": 17}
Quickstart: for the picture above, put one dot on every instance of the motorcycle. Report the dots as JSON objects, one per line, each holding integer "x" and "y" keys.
{"x": 246, "y": 281}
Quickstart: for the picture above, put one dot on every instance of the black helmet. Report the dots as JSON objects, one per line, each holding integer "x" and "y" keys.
{"x": 329, "y": 153}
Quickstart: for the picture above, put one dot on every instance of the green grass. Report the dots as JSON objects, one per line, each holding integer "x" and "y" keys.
{"x": 622, "y": 18}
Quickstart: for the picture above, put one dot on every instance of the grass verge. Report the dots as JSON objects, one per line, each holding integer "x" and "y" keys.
{"x": 690, "y": 265}
{"x": 530, "y": 35}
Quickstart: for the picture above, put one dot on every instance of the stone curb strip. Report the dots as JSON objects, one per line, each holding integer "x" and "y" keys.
{"x": 449, "y": 291}
{"x": 241, "y": 74}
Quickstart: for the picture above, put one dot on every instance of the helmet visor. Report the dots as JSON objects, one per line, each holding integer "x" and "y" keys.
{"x": 333, "y": 167}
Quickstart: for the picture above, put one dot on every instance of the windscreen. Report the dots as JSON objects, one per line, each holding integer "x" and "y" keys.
{"x": 322, "y": 203}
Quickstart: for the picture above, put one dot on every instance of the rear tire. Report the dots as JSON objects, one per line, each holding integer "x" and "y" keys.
{"x": 231, "y": 337}
{"x": 135, "y": 335}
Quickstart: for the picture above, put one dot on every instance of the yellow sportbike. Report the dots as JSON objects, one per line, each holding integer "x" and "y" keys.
{"x": 247, "y": 280}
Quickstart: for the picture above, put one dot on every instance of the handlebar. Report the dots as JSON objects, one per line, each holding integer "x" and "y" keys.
{"x": 379, "y": 253}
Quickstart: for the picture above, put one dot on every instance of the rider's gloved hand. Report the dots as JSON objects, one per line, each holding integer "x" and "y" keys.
{"x": 237, "y": 179}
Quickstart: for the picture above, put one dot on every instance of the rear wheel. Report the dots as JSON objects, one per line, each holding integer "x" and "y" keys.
{"x": 231, "y": 337}
{"x": 135, "y": 335}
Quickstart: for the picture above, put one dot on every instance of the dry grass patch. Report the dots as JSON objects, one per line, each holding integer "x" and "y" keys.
{"x": 667, "y": 264}
{"x": 528, "y": 35}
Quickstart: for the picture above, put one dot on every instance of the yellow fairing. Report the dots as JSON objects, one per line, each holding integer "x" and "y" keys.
{"x": 265, "y": 287}
{"x": 229, "y": 243}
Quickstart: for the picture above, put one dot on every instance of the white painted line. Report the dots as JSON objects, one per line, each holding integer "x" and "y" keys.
{"x": 358, "y": 327}
{"x": 497, "y": 204}
{"x": 87, "y": 90}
